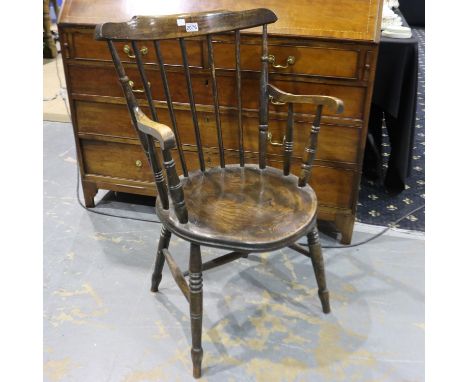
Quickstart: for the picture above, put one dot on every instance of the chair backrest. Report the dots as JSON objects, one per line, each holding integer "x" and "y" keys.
{"x": 144, "y": 28}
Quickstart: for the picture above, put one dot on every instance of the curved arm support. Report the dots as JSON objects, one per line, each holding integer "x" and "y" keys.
{"x": 166, "y": 138}
{"x": 162, "y": 133}
{"x": 335, "y": 104}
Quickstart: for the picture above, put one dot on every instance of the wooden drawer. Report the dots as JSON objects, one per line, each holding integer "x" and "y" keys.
{"x": 103, "y": 81}
{"x": 328, "y": 182}
{"x": 324, "y": 61}
{"x": 84, "y": 46}
{"x": 103, "y": 118}
{"x": 128, "y": 161}
{"x": 119, "y": 160}
{"x": 332, "y": 185}
{"x": 336, "y": 143}
{"x": 328, "y": 61}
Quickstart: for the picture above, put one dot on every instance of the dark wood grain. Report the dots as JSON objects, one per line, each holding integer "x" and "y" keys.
{"x": 177, "y": 274}
{"x": 209, "y": 112}
{"x": 263, "y": 96}
{"x": 167, "y": 27}
{"x": 193, "y": 107}
{"x": 334, "y": 103}
{"x": 196, "y": 307}
{"x": 311, "y": 149}
{"x": 214, "y": 90}
{"x": 221, "y": 260}
{"x": 240, "y": 126}
{"x": 319, "y": 268}
{"x": 244, "y": 208}
{"x": 164, "y": 241}
{"x": 170, "y": 106}
{"x": 288, "y": 143}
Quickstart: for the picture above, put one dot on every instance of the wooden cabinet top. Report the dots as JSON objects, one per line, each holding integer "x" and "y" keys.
{"x": 338, "y": 19}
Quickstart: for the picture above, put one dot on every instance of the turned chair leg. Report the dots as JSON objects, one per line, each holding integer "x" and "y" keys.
{"x": 196, "y": 307}
{"x": 315, "y": 250}
{"x": 159, "y": 265}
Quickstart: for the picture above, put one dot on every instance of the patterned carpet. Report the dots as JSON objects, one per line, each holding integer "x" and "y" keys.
{"x": 375, "y": 205}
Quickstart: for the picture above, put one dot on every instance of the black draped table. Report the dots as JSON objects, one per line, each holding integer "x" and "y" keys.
{"x": 394, "y": 97}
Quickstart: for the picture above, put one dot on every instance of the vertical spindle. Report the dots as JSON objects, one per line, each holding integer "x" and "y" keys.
{"x": 263, "y": 128}
{"x": 146, "y": 140}
{"x": 192, "y": 103}
{"x": 239, "y": 101}
{"x": 144, "y": 80}
{"x": 214, "y": 89}
{"x": 170, "y": 107}
{"x": 288, "y": 141}
{"x": 310, "y": 150}
{"x": 175, "y": 187}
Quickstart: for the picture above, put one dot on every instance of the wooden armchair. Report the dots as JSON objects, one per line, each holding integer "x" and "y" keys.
{"x": 242, "y": 208}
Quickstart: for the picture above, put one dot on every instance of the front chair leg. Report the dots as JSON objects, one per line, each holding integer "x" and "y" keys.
{"x": 159, "y": 265}
{"x": 196, "y": 307}
{"x": 319, "y": 268}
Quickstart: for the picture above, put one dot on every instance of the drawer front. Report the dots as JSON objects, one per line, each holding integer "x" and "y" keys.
{"x": 104, "y": 118}
{"x": 128, "y": 161}
{"x": 308, "y": 60}
{"x": 336, "y": 143}
{"x": 333, "y": 186}
{"x": 118, "y": 160}
{"x": 312, "y": 60}
{"x": 86, "y": 47}
{"x": 103, "y": 81}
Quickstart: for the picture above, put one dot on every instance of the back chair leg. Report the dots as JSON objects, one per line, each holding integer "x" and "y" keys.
{"x": 319, "y": 268}
{"x": 159, "y": 265}
{"x": 196, "y": 307}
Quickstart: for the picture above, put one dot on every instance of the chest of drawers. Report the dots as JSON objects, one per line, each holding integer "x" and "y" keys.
{"x": 334, "y": 48}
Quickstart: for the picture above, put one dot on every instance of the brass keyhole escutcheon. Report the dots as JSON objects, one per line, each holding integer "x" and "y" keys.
{"x": 138, "y": 163}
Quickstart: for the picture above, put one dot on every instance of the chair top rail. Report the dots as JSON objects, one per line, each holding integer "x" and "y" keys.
{"x": 183, "y": 25}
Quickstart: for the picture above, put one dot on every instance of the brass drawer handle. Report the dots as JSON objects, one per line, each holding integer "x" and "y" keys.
{"x": 289, "y": 61}
{"x": 138, "y": 163}
{"x": 273, "y": 102}
{"x": 274, "y": 143}
{"x": 131, "y": 83}
{"x": 128, "y": 50}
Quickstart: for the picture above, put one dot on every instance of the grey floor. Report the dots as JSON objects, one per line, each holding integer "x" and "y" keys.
{"x": 262, "y": 317}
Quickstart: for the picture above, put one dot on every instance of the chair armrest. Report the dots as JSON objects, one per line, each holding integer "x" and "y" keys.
{"x": 335, "y": 104}
{"x": 162, "y": 133}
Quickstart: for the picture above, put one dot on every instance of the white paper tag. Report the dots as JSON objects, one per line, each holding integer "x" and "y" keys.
{"x": 180, "y": 22}
{"x": 191, "y": 27}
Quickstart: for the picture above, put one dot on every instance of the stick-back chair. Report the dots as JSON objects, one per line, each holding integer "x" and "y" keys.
{"x": 242, "y": 208}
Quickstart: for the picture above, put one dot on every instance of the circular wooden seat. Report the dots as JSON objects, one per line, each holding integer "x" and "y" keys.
{"x": 243, "y": 208}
